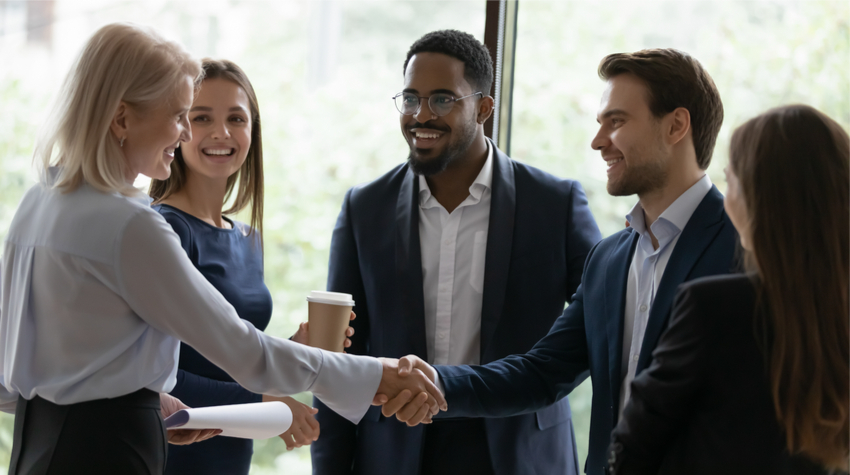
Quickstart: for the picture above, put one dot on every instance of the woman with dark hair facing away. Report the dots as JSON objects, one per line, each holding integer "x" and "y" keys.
{"x": 752, "y": 374}
{"x": 225, "y": 156}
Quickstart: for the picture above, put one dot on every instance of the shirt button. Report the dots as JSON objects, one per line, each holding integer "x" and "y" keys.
{"x": 643, "y": 308}
{"x": 442, "y": 335}
{"x": 635, "y": 357}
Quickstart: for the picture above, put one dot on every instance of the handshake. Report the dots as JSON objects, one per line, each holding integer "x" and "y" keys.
{"x": 408, "y": 390}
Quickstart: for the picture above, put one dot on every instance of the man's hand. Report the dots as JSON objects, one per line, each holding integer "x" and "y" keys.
{"x": 401, "y": 405}
{"x": 303, "y": 334}
{"x": 168, "y": 406}
{"x": 304, "y": 429}
{"x": 398, "y": 386}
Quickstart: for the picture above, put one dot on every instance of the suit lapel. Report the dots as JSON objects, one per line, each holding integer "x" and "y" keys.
{"x": 616, "y": 282}
{"x": 408, "y": 260}
{"x": 697, "y": 236}
{"x": 500, "y": 235}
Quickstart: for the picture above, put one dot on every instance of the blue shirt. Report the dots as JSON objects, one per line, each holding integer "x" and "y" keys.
{"x": 96, "y": 293}
{"x": 232, "y": 261}
{"x": 647, "y": 269}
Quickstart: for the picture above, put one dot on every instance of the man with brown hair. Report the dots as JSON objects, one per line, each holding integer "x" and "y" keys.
{"x": 659, "y": 118}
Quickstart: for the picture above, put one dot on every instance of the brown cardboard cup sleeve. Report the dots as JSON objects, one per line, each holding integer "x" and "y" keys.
{"x": 328, "y": 314}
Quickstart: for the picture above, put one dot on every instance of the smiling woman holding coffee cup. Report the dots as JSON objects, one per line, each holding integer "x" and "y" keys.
{"x": 96, "y": 291}
{"x": 224, "y": 157}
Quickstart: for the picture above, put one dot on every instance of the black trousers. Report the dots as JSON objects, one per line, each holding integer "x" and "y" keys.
{"x": 123, "y": 435}
{"x": 456, "y": 447}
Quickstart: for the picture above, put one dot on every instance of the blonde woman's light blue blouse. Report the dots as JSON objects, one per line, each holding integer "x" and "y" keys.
{"x": 96, "y": 292}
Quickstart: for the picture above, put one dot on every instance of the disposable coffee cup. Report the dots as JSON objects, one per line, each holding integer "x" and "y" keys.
{"x": 328, "y": 314}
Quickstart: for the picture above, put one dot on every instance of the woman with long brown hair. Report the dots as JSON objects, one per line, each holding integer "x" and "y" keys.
{"x": 224, "y": 158}
{"x": 752, "y": 375}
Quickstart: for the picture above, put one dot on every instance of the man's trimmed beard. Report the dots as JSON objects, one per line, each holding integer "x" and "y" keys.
{"x": 639, "y": 179}
{"x": 439, "y": 163}
{"x": 644, "y": 177}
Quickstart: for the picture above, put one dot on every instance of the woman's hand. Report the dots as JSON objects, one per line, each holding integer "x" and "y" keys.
{"x": 304, "y": 429}
{"x": 303, "y": 334}
{"x": 168, "y": 406}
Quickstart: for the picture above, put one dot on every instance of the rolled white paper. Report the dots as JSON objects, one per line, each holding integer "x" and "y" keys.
{"x": 259, "y": 420}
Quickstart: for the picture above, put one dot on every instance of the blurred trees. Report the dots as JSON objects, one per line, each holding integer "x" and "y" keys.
{"x": 324, "y": 73}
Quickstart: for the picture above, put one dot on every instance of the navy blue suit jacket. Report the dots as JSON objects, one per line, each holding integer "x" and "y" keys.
{"x": 540, "y": 232}
{"x": 588, "y": 337}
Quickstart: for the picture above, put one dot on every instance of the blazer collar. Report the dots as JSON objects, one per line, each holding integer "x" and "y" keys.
{"x": 496, "y": 258}
{"x": 617, "y": 274}
{"x": 500, "y": 236}
{"x": 697, "y": 236}
{"x": 408, "y": 263}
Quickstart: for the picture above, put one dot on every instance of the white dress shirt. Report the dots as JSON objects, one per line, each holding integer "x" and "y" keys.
{"x": 453, "y": 246}
{"x": 95, "y": 292}
{"x": 646, "y": 270}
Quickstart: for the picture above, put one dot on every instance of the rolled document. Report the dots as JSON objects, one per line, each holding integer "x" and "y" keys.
{"x": 259, "y": 420}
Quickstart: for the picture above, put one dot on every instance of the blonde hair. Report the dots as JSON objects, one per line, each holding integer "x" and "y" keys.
{"x": 121, "y": 62}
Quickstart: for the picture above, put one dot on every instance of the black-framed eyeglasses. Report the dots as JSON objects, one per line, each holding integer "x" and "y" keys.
{"x": 440, "y": 104}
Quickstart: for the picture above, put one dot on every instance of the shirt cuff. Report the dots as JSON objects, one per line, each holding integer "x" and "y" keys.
{"x": 348, "y": 383}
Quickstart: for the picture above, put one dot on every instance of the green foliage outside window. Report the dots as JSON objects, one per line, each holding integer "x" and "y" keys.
{"x": 324, "y": 73}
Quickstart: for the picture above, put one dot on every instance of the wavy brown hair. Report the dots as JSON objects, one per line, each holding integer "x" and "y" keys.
{"x": 248, "y": 181}
{"x": 674, "y": 79}
{"x": 793, "y": 164}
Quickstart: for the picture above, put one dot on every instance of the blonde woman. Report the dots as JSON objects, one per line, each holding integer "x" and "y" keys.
{"x": 96, "y": 291}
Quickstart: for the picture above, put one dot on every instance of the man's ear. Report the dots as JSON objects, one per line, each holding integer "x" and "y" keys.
{"x": 118, "y": 125}
{"x": 679, "y": 125}
{"x": 485, "y": 109}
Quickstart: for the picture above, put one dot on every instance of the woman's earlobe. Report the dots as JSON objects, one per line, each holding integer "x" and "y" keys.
{"x": 119, "y": 123}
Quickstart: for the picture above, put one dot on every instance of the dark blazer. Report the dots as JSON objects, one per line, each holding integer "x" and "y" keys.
{"x": 540, "y": 232}
{"x": 704, "y": 406}
{"x": 588, "y": 337}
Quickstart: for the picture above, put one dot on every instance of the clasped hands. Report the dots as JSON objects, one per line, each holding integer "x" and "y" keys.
{"x": 408, "y": 391}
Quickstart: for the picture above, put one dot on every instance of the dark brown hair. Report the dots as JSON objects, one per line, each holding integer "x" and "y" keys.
{"x": 793, "y": 166}
{"x": 674, "y": 79}
{"x": 248, "y": 181}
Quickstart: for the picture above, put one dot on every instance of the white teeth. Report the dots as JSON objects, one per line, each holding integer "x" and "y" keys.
{"x": 424, "y": 135}
{"x": 611, "y": 163}
{"x": 218, "y": 151}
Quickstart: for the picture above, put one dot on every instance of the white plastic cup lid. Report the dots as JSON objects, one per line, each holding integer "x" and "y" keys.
{"x": 331, "y": 298}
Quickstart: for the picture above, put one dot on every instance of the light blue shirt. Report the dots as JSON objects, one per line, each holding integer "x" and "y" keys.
{"x": 96, "y": 292}
{"x": 647, "y": 269}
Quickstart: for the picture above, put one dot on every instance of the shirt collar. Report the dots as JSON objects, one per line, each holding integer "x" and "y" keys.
{"x": 673, "y": 220}
{"x": 483, "y": 181}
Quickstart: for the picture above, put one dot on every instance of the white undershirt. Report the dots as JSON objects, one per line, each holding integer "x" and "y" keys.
{"x": 453, "y": 247}
{"x": 647, "y": 269}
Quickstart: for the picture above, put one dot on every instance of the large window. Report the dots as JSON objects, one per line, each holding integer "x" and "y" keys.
{"x": 760, "y": 54}
{"x": 324, "y": 72}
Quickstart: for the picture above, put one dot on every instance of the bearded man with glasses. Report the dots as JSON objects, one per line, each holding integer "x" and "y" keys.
{"x": 461, "y": 255}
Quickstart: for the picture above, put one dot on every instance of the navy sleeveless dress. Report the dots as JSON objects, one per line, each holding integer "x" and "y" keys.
{"x": 233, "y": 263}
